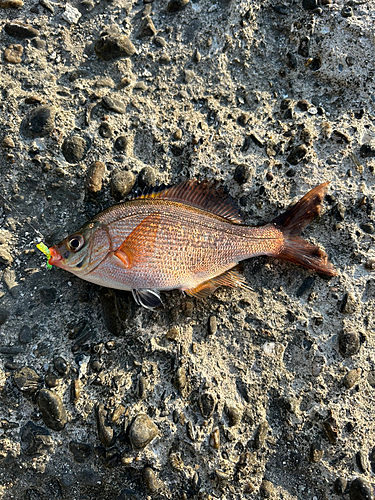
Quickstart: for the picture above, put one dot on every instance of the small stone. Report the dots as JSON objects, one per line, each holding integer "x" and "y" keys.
{"x": 160, "y": 42}
{"x": 47, "y": 5}
{"x": 340, "y": 485}
{"x": 349, "y": 303}
{"x": 367, "y": 227}
{"x": 27, "y": 380}
{"x": 349, "y": 343}
{"x": 75, "y": 148}
{"x": 114, "y": 105}
{"x": 242, "y": 173}
{"x": 142, "y": 386}
{"x": 266, "y": 489}
{"x": 5, "y": 257}
{"x": 303, "y": 105}
{"x": 51, "y": 380}
{"x": 47, "y": 295}
{"x": 371, "y": 378}
{"x": 106, "y": 434}
{"x": 20, "y": 30}
{"x": 122, "y": 182}
{"x": 13, "y": 54}
{"x": 304, "y": 47}
{"x": 206, "y": 403}
{"x": 146, "y": 177}
{"x": 25, "y": 335}
{"x": 117, "y": 414}
{"x": 61, "y": 365}
{"x": 105, "y": 130}
{"x": 11, "y": 4}
{"x": 172, "y": 333}
{"x": 180, "y": 379}
{"x": 260, "y": 435}
{"x": 212, "y": 325}
{"x": 297, "y": 154}
{"x": 347, "y": 11}
{"x": 361, "y": 461}
{"x": 71, "y": 15}
{"x": 316, "y": 453}
{"x": 234, "y": 415}
{"x": 121, "y": 143}
{"x": 142, "y": 431}
{"x": 147, "y": 28}
{"x": 81, "y": 451}
{"x": 86, "y": 6}
{"x": 368, "y": 150}
{"x": 330, "y": 430}
{"x": 151, "y": 480}
{"x": 39, "y": 122}
{"x": 360, "y": 490}
{"x": 215, "y": 439}
{"x": 52, "y": 409}
{"x": 176, "y": 5}
{"x": 8, "y": 143}
{"x": 35, "y": 440}
{"x": 164, "y": 59}
{"x": 309, "y": 4}
{"x": 178, "y": 134}
{"x": 111, "y": 47}
{"x": 190, "y": 431}
{"x": 94, "y": 177}
{"x": 4, "y": 315}
{"x": 352, "y": 377}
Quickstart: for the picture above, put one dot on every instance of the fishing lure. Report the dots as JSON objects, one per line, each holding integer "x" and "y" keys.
{"x": 43, "y": 248}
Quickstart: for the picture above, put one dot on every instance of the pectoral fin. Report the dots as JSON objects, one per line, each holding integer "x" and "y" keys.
{"x": 139, "y": 245}
{"x": 147, "y": 298}
{"x": 233, "y": 278}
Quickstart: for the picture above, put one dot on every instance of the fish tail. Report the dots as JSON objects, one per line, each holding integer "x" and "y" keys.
{"x": 292, "y": 222}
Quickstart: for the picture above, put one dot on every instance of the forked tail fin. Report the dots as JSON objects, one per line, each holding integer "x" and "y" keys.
{"x": 292, "y": 222}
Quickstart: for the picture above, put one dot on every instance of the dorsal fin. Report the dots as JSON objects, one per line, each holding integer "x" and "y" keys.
{"x": 206, "y": 195}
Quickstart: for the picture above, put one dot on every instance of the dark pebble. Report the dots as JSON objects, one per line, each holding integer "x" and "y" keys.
{"x": 51, "y": 380}
{"x": 110, "y": 47}
{"x": 352, "y": 377}
{"x": 75, "y": 148}
{"x": 10, "y": 365}
{"x": 242, "y": 173}
{"x": 349, "y": 303}
{"x": 25, "y": 335}
{"x": 340, "y": 485}
{"x": 94, "y": 177}
{"x": 256, "y": 140}
{"x": 142, "y": 386}
{"x": 347, "y": 11}
{"x": 81, "y": 451}
{"x": 281, "y": 9}
{"x": 306, "y": 285}
{"x": 349, "y": 343}
{"x": 368, "y": 150}
{"x": 360, "y": 490}
{"x": 142, "y": 431}
{"x": 27, "y": 380}
{"x": 114, "y": 105}
{"x": 304, "y": 47}
{"x": 176, "y": 5}
{"x": 105, "y": 130}
{"x": 35, "y": 440}
{"x": 234, "y": 415}
{"x": 260, "y": 435}
{"x": 206, "y": 404}
{"x": 105, "y": 432}
{"x": 371, "y": 458}
{"x": 20, "y": 30}
{"x": 316, "y": 453}
{"x": 367, "y": 227}
{"x": 146, "y": 177}
{"x": 61, "y": 365}
{"x": 147, "y": 28}
{"x": 180, "y": 380}
{"x": 303, "y": 105}
{"x": 39, "y": 122}
{"x": 371, "y": 378}
{"x": 190, "y": 432}
{"x": 297, "y": 154}
{"x": 52, "y": 409}
{"x": 48, "y": 295}
{"x": 160, "y": 42}
{"x": 361, "y": 462}
{"x": 11, "y": 349}
{"x": 122, "y": 182}
{"x": 4, "y": 315}
{"x": 121, "y": 143}
{"x": 330, "y": 430}
{"x": 266, "y": 489}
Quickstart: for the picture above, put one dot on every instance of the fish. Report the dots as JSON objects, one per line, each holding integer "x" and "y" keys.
{"x": 189, "y": 237}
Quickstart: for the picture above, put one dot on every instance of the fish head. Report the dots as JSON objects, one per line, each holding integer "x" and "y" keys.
{"x": 82, "y": 251}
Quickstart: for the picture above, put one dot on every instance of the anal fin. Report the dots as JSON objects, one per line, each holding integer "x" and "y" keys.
{"x": 150, "y": 299}
{"x": 139, "y": 245}
{"x": 233, "y": 278}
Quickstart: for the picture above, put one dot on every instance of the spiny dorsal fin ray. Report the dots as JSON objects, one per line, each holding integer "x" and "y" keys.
{"x": 206, "y": 195}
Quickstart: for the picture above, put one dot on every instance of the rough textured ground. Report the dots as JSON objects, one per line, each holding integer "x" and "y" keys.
{"x": 262, "y": 394}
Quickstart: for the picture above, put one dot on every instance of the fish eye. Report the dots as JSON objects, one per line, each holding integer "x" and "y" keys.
{"x": 75, "y": 243}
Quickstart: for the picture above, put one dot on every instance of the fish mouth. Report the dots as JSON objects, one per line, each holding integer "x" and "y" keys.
{"x": 55, "y": 258}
